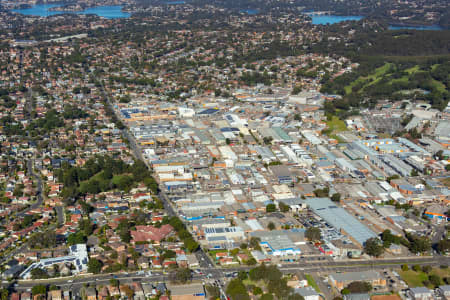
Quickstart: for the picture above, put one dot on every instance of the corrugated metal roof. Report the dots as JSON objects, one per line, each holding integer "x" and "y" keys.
{"x": 340, "y": 219}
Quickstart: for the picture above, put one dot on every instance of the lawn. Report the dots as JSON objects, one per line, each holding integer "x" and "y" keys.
{"x": 336, "y": 125}
{"x": 212, "y": 253}
{"x": 376, "y": 76}
{"x": 413, "y": 69}
{"x": 441, "y": 272}
{"x": 312, "y": 282}
{"x": 415, "y": 279}
{"x": 439, "y": 86}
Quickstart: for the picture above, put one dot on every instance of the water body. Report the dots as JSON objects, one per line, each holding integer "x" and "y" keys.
{"x": 332, "y": 19}
{"x": 42, "y": 10}
{"x": 431, "y": 27}
{"x": 175, "y": 2}
{"x": 250, "y": 11}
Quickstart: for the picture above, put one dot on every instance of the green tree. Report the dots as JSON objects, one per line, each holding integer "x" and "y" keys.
{"x": 86, "y": 226}
{"x": 190, "y": 244}
{"x": 242, "y": 275}
{"x": 4, "y": 294}
{"x": 418, "y": 244}
{"x": 359, "y": 287}
{"x": 39, "y": 289}
{"x": 279, "y": 287}
{"x": 373, "y": 247}
{"x": 297, "y": 89}
{"x": 283, "y": 207}
{"x": 271, "y": 207}
{"x": 427, "y": 269}
{"x": 94, "y": 266}
{"x": 86, "y": 207}
{"x": 268, "y": 140}
{"x": 213, "y": 291}
{"x": 76, "y": 238}
{"x": 114, "y": 282}
{"x": 45, "y": 239}
{"x": 258, "y": 273}
{"x": 254, "y": 243}
{"x": 313, "y": 233}
{"x": 388, "y": 238}
{"x": 434, "y": 280}
{"x": 271, "y": 226}
{"x": 272, "y": 273}
{"x": 257, "y": 290}
{"x": 345, "y": 291}
{"x": 322, "y": 192}
{"x": 266, "y": 297}
{"x": 38, "y": 273}
{"x": 181, "y": 275}
{"x": 236, "y": 290}
{"x": 336, "y": 197}
{"x": 393, "y": 177}
{"x": 151, "y": 183}
{"x": 444, "y": 244}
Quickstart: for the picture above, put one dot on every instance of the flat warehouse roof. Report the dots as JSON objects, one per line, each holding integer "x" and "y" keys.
{"x": 340, "y": 219}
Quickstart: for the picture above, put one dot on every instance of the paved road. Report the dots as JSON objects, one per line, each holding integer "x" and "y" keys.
{"x": 11, "y": 254}
{"x": 323, "y": 287}
{"x": 439, "y": 235}
{"x": 30, "y": 162}
{"x": 39, "y": 198}
{"x": 308, "y": 267}
{"x": 60, "y": 215}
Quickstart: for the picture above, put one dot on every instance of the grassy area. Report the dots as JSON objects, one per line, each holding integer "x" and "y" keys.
{"x": 361, "y": 83}
{"x": 336, "y": 125}
{"x": 441, "y": 272}
{"x": 413, "y": 69}
{"x": 439, "y": 86}
{"x": 312, "y": 282}
{"x": 374, "y": 77}
{"x": 403, "y": 79}
{"x": 213, "y": 253}
{"x": 415, "y": 279}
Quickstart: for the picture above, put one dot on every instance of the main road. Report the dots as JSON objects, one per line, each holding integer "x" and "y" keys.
{"x": 309, "y": 267}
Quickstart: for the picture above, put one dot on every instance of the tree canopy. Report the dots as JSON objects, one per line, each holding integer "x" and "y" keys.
{"x": 373, "y": 247}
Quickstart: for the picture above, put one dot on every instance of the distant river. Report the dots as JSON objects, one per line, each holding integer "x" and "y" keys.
{"x": 42, "y": 10}
{"x": 431, "y": 27}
